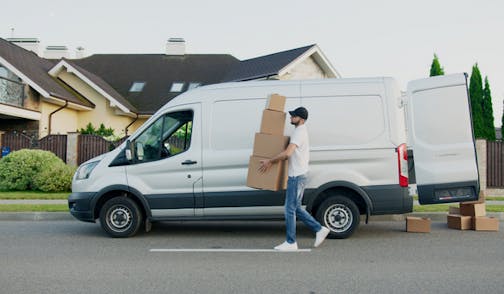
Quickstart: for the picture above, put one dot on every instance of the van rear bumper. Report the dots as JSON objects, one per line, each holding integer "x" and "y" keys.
{"x": 389, "y": 199}
{"x": 79, "y": 204}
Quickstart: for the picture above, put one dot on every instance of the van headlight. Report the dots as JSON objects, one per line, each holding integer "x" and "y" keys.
{"x": 85, "y": 170}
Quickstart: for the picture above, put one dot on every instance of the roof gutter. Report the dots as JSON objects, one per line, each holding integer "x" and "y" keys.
{"x": 51, "y": 114}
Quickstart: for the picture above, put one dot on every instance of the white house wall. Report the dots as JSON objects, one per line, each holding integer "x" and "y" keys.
{"x": 308, "y": 69}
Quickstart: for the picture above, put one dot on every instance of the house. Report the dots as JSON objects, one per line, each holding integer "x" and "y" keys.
{"x": 42, "y": 96}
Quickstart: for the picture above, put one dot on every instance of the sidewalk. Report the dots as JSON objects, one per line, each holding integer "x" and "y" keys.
{"x": 53, "y": 216}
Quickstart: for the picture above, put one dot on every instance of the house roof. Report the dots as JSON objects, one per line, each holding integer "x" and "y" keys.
{"x": 264, "y": 66}
{"x": 158, "y": 71}
{"x": 33, "y": 70}
{"x": 98, "y": 83}
{"x": 113, "y": 75}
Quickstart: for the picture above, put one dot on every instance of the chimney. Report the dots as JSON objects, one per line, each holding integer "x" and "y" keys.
{"x": 79, "y": 52}
{"x": 175, "y": 46}
{"x": 30, "y": 44}
{"x": 56, "y": 52}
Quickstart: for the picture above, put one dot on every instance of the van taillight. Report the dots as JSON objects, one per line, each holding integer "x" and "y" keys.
{"x": 402, "y": 161}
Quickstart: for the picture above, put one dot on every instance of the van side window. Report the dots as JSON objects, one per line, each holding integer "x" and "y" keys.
{"x": 166, "y": 137}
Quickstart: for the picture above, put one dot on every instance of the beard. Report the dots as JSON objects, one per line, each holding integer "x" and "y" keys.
{"x": 295, "y": 123}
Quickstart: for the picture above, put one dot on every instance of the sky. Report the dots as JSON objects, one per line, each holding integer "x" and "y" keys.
{"x": 365, "y": 38}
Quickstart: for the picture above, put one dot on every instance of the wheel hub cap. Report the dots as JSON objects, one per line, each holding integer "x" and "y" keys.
{"x": 338, "y": 218}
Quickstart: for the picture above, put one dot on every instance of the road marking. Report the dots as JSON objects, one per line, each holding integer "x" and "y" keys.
{"x": 227, "y": 250}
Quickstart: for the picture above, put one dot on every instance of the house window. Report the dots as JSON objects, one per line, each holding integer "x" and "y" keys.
{"x": 177, "y": 87}
{"x": 3, "y": 72}
{"x": 193, "y": 85}
{"x": 137, "y": 87}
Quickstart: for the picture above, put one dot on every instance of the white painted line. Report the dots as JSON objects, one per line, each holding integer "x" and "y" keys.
{"x": 227, "y": 250}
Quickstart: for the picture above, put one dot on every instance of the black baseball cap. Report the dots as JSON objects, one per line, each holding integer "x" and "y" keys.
{"x": 300, "y": 111}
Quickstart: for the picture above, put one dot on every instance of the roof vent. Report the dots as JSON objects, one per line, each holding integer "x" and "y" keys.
{"x": 80, "y": 52}
{"x": 56, "y": 52}
{"x": 175, "y": 46}
{"x": 30, "y": 44}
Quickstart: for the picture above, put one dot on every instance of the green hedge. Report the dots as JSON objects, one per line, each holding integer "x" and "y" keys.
{"x": 40, "y": 170}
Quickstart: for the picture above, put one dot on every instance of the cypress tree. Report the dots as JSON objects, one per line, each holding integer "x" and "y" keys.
{"x": 476, "y": 95}
{"x": 502, "y": 122}
{"x": 436, "y": 69}
{"x": 488, "y": 118}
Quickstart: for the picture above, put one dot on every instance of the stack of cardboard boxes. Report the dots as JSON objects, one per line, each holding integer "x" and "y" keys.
{"x": 269, "y": 142}
{"x": 471, "y": 216}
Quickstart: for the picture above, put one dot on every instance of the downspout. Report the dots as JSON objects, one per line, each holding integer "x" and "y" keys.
{"x": 126, "y": 129}
{"x": 51, "y": 114}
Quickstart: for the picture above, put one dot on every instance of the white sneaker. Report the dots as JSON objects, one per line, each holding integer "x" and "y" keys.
{"x": 287, "y": 246}
{"x": 320, "y": 236}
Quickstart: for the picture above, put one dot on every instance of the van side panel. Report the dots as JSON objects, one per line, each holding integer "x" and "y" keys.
{"x": 354, "y": 131}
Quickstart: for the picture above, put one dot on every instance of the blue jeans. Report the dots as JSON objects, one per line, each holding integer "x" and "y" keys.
{"x": 293, "y": 197}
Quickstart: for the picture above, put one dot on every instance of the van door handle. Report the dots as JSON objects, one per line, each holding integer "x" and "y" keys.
{"x": 189, "y": 162}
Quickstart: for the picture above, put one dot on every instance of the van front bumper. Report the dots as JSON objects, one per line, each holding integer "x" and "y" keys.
{"x": 79, "y": 204}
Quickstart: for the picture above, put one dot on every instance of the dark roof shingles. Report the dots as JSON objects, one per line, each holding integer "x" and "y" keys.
{"x": 264, "y": 66}
{"x": 36, "y": 69}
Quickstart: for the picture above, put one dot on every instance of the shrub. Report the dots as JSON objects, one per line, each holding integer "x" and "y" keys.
{"x": 56, "y": 179}
{"x": 19, "y": 169}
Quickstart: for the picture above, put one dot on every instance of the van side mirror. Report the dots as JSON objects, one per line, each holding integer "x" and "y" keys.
{"x": 127, "y": 151}
{"x": 139, "y": 151}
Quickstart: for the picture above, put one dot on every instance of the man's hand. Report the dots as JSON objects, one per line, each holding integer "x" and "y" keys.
{"x": 265, "y": 165}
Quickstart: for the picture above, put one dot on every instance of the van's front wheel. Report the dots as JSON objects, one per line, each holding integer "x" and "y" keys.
{"x": 120, "y": 217}
{"x": 340, "y": 215}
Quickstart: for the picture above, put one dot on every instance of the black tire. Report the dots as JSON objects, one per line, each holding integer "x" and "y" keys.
{"x": 120, "y": 217}
{"x": 340, "y": 215}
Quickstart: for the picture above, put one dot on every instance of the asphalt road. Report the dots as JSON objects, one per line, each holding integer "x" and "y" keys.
{"x": 76, "y": 257}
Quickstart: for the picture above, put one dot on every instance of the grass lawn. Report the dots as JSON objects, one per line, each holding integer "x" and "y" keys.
{"x": 18, "y": 195}
{"x": 33, "y": 207}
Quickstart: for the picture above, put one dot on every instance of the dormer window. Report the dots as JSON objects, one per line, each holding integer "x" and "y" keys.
{"x": 193, "y": 85}
{"x": 137, "y": 87}
{"x": 177, "y": 87}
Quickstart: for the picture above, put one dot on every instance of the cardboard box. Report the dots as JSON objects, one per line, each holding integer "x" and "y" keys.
{"x": 453, "y": 210}
{"x": 273, "y": 122}
{"x": 472, "y": 209}
{"x": 483, "y": 223}
{"x": 418, "y": 224}
{"x": 276, "y": 102}
{"x": 459, "y": 222}
{"x": 266, "y": 145}
{"x": 274, "y": 179}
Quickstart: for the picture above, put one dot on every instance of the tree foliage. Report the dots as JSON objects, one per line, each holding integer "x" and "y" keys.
{"x": 488, "y": 117}
{"x": 101, "y": 131}
{"x": 436, "y": 69}
{"x": 476, "y": 95}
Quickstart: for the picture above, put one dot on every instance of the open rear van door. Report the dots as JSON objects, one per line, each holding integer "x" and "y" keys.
{"x": 441, "y": 135}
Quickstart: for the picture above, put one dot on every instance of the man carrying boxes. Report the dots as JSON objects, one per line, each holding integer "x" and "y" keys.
{"x": 297, "y": 153}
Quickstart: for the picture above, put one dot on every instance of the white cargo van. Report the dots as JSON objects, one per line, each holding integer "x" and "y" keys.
{"x": 189, "y": 160}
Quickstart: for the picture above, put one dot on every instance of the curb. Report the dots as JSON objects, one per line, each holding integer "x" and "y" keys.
{"x": 66, "y": 216}
{"x": 36, "y": 216}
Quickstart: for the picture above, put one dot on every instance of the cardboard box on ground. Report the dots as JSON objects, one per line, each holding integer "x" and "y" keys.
{"x": 418, "y": 224}
{"x": 269, "y": 142}
{"x": 471, "y": 216}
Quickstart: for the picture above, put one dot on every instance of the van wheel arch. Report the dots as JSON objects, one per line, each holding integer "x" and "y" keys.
{"x": 349, "y": 190}
{"x": 104, "y": 197}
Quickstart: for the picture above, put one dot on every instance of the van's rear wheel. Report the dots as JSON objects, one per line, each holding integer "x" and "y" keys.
{"x": 120, "y": 217}
{"x": 340, "y": 215}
